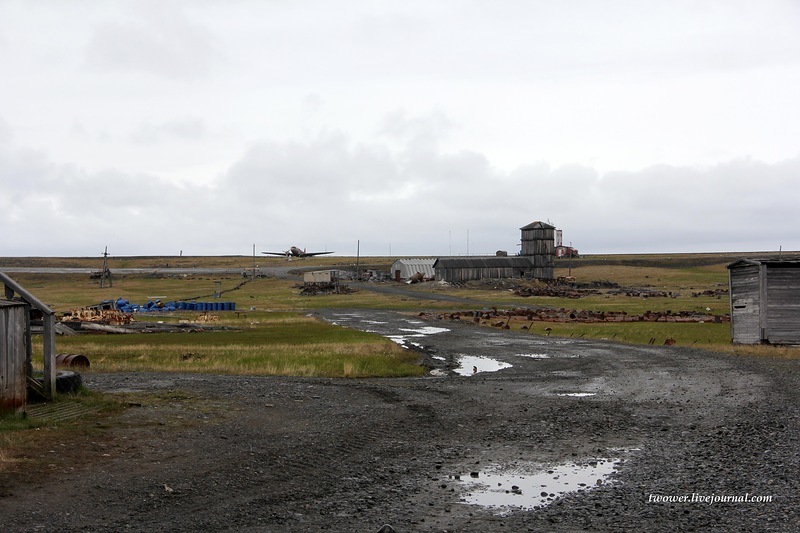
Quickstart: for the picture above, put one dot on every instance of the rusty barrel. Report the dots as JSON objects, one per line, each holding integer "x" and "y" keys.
{"x": 72, "y": 360}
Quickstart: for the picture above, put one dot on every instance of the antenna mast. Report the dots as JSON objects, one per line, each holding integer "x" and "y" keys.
{"x": 106, "y": 274}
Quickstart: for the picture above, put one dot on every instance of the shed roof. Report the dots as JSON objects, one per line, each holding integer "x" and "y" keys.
{"x": 483, "y": 262}
{"x": 12, "y": 287}
{"x": 417, "y": 261}
{"x": 11, "y": 303}
{"x": 538, "y": 225}
{"x": 409, "y": 267}
{"x": 791, "y": 263}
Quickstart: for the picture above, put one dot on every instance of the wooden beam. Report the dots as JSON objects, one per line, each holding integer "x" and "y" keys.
{"x": 50, "y": 356}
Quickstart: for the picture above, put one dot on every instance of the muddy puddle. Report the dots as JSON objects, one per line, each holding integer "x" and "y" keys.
{"x": 533, "y": 355}
{"x": 533, "y": 486}
{"x": 411, "y": 336}
{"x": 474, "y": 364}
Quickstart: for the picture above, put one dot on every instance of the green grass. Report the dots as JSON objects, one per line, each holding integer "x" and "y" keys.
{"x": 685, "y": 334}
{"x": 266, "y": 344}
{"x": 275, "y": 338}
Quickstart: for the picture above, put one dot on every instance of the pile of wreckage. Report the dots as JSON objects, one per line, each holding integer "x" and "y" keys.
{"x": 117, "y": 316}
{"x": 556, "y": 291}
{"x": 316, "y": 289}
{"x": 501, "y": 318}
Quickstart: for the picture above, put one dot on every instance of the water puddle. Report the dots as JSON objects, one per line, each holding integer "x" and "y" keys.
{"x": 426, "y": 330}
{"x": 416, "y": 333}
{"x": 504, "y": 491}
{"x": 472, "y": 364}
{"x": 577, "y": 394}
{"x": 533, "y": 355}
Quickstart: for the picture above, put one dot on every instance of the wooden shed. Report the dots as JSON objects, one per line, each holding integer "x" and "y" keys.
{"x": 460, "y": 269}
{"x": 15, "y": 346}
{"x": 319, "y": 276}
{"x": 13, "y": 356}
{"x": 765, "y": 301}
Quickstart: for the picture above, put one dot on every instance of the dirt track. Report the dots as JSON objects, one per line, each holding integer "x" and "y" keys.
{"x": 288, "y": 454}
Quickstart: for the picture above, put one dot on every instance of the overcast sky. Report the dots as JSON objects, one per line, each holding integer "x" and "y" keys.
{"x": 415, "y": 127}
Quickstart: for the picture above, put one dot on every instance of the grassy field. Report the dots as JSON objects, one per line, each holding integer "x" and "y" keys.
{"x": 273, "y": 336}
{"x": 261, "y": 344}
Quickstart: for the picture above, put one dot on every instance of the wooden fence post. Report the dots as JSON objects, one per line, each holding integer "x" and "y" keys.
{"x": 49, "y": 350}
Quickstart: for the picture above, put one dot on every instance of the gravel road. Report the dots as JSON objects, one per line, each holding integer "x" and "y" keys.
{"x": 509, "y": 432}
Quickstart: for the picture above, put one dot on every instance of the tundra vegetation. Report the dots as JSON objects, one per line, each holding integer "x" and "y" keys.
{"x": 271, "y": 333}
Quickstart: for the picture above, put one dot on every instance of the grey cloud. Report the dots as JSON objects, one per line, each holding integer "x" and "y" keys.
{"x": 330, "y": 191}
{"x": 6, "y": 134}
{"x": 418, "y": 195}
{"x": 162, "y": 42}
{"x": 185, "y": 128}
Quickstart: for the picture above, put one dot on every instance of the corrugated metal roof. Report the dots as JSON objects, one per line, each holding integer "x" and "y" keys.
{"x": 409, "y": 267}
{"x": 483, "y": 262}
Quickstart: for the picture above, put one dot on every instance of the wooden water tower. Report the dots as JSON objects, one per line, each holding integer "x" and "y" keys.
{"x": 538, "y": 245}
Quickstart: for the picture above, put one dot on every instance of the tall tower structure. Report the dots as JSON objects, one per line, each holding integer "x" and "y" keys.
{"x": 538, "y": 245}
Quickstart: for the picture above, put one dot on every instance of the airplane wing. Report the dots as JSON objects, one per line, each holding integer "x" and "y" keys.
{"x": 311, "y": 254}
{"x": 276, "y": 253}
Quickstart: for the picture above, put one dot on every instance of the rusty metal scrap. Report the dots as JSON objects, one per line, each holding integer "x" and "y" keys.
{"x": 74, "y": 360}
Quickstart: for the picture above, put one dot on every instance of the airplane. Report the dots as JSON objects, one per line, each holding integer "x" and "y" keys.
{"x": 294, "y": 251}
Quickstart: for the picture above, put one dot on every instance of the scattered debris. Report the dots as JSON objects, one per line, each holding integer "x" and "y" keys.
{"x": 715, "y": 293}
{"x": 317, "y": 289}
{"x": 106, "y": 312}
{"x": 501, "y": 318}
{"x": 558, "y": 291}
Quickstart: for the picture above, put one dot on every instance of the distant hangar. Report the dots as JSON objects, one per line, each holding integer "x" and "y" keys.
{"x": 405, "y": 268}
{"x": 536, "y": 260}
{"x": 460, "y": 269}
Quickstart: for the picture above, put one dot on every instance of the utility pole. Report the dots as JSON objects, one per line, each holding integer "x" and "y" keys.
{"x": 570, "y": 258}
{"x": 106, "y": 274}
{"x": 358, "y": 257}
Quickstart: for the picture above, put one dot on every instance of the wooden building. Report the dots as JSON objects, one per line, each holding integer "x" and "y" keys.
{"x": 13, "y": 356}
{"x": 538, "y": 245}
{"x": 765, "y": 301}
{"x": 15, "y": 346}
{"x": 460, "y": 269}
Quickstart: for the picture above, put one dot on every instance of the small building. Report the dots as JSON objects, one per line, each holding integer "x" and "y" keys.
{"x": 765, "y": 301}
{"x": 13, "y": 356}
{"x": 15, "y": 346}
{"x": 403, "y": 269}
{"x": 320, "y": 276}
{"x": 566, "y": 251}
{"x": 460, "y": 269}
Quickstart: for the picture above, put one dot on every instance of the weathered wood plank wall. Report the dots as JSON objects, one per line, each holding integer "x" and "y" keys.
{"x": 13, "y": 374}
